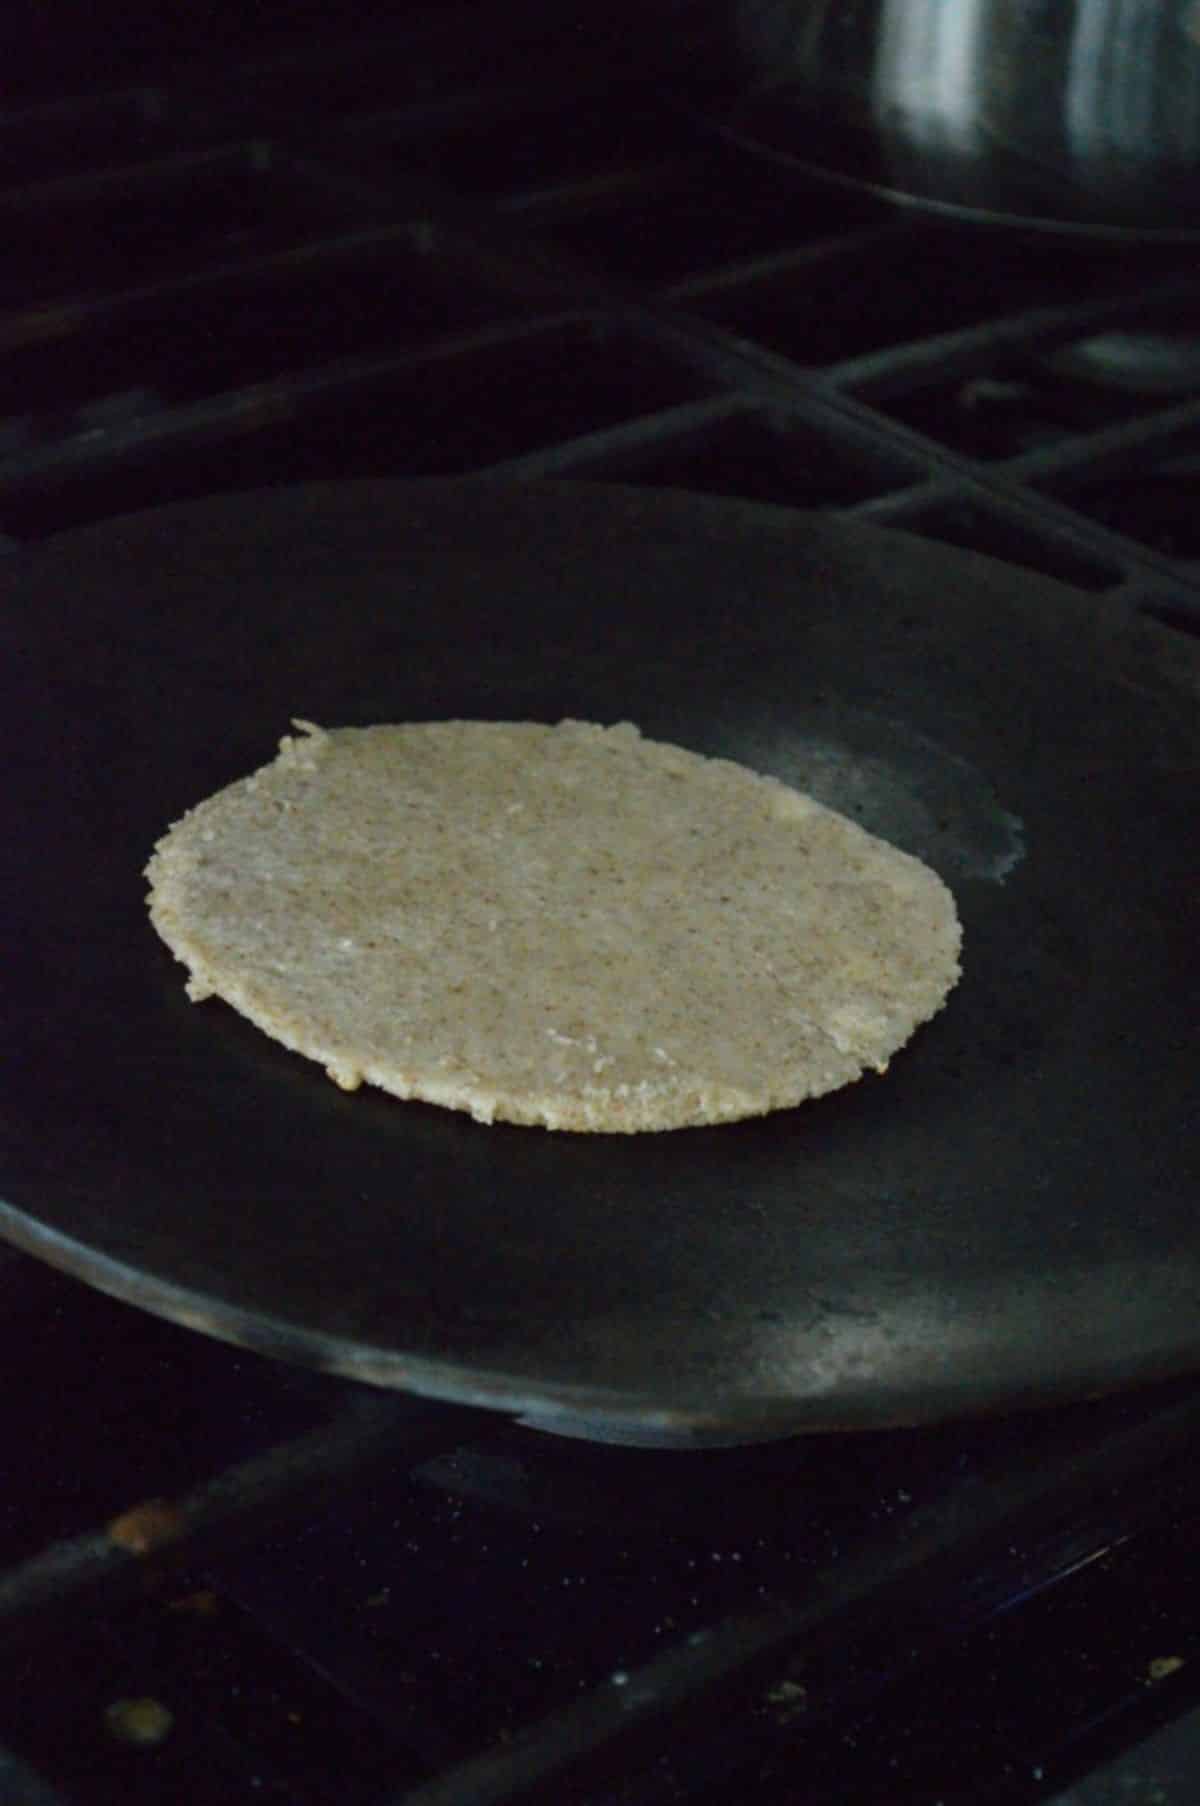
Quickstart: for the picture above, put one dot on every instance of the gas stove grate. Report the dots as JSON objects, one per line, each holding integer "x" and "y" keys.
{"x": 391, "y": 1600}
{"x": 271, "y": 279}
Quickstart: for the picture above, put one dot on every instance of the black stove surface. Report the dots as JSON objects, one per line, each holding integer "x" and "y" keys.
{"x": 462, "y": 243}
{"x": 440, "y": 1606}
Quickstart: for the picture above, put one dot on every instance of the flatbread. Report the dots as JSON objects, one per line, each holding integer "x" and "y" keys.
{"x": 570, "y": 926}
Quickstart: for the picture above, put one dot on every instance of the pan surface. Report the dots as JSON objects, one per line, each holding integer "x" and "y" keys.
{"x": 1011, "y": 1214}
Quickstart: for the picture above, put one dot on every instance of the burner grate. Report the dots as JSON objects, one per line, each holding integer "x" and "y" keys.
{"x": 242, "y": 308}
{"x": 400, "y": 1601}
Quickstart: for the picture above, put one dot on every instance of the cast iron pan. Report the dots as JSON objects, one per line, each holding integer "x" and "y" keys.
{"x": 1011, "y": 1215}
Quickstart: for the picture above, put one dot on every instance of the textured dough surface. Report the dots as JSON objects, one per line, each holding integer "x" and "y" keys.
{"x": 571, "y": 925}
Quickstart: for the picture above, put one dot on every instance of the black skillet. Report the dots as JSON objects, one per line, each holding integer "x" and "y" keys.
{"x": 1011, "y": 1215}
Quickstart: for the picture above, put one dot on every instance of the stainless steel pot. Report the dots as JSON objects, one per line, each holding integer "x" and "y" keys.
{"x": 1082, "y": 114}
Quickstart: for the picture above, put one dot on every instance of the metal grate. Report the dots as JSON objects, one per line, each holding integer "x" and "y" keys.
{"x": 210, "y": 285}
{"x": 387, "y": 1600}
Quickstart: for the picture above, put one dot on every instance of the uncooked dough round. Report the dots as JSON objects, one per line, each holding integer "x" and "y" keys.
{"x": 571, "y": 926}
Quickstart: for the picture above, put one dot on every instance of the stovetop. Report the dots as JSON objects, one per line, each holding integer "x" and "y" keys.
{"x": 342, "y": 1595}
{"x": 454, "y": 246}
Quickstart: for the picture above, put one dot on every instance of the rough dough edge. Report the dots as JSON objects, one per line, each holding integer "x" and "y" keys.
{"x": 488, "y": 1103}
